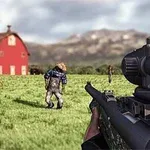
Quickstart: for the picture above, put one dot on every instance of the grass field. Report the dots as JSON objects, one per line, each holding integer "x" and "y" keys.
{"x": 25, "y": 124}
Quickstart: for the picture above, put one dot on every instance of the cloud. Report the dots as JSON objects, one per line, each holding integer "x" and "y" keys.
{"x": 90, "y": 1}
{"x": 7, "y": 14}
{"x": 125, "y": 11}
{"x": 57, "y": 19}
{"x": 37, "y": 39}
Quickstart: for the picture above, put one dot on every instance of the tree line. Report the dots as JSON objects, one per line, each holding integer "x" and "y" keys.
{"x": 101, "y": 70}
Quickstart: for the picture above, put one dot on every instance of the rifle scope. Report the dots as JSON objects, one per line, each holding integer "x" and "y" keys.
{"x": 136, "y": 66}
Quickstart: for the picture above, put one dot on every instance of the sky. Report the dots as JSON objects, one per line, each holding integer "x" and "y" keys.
{"x": 50, "y": 21}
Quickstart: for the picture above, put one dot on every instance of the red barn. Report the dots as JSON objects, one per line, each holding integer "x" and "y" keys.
{"x": 13, "y": 54}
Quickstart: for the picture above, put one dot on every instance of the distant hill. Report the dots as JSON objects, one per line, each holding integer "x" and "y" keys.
{"x": 91, "y": 48}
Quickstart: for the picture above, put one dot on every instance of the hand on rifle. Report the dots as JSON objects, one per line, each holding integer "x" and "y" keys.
{"x": 94, "y": 109}
{"x": 93, "y": 128}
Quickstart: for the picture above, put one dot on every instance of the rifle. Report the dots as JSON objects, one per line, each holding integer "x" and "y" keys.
{"x": 126, "y": 120}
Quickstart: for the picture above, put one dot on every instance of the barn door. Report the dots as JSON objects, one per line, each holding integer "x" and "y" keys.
{"x": 12, "y": 70}
{"x": 1, "y": 70}
{"x": 23, "y": 70}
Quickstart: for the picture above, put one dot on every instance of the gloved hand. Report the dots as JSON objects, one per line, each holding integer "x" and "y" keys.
{"x": 46, "y": 87}
{"x": 46, "y": 84}
{"x": 61, "y": 92}
{"x": 93, "y": 104}
{"x": 94, "y": 107}
{"x": 63, "y": 88}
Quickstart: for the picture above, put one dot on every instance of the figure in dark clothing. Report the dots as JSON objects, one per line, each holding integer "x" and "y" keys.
{"x": 53, "y": 79}
{"x": 94, "y": 139}
{"x": 110, "y": 72}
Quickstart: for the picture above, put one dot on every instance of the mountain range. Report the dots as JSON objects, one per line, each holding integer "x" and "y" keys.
{"x": 91, "y": 48}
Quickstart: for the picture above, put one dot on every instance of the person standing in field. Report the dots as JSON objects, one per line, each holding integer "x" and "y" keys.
{"x": 53, "y": 79}
{"x": 110, "y": 72}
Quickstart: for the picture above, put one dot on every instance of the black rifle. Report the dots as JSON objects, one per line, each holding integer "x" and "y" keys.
{"x": 126, "y": 121}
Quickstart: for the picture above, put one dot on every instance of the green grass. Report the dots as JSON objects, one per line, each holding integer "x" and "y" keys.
{"x": 26, "y": 125}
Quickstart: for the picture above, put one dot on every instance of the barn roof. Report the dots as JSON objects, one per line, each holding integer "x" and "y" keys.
{"x": 3, "y": 35}
{"x": 9, "y": 32}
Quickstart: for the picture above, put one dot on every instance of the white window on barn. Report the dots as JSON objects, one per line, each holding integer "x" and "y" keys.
{"x": 12, "y": 70}
{"x": 11, "y": 40}
{"x": 1, "y": 70}
{"x": 23, "y": 70}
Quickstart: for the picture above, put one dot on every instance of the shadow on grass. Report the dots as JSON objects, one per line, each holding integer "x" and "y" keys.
{"x": 29, "y": 103}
